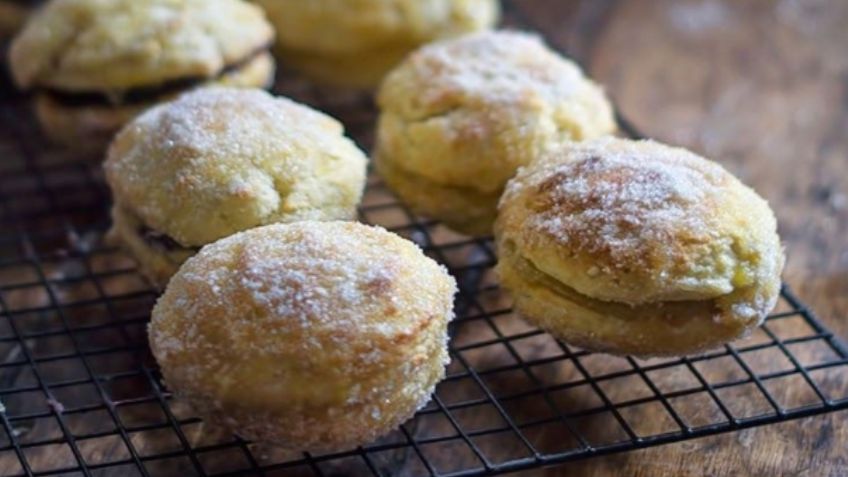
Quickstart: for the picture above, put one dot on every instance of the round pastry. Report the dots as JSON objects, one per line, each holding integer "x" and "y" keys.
{"x": 459, "y": 117}
{"x": 637, "y": 248}
{"x": 315, "y": 336}
{"x": 355, "y": 42}
{"x": 221, "y": 160}
{"x": 95, "y": 64}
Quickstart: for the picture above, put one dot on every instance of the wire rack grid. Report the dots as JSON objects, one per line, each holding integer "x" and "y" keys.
{"x": 80, "y": 394}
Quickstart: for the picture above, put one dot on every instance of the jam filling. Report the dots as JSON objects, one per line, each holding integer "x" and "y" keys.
{"x": 143, "y": 94}
{"x": 163, "y": 242}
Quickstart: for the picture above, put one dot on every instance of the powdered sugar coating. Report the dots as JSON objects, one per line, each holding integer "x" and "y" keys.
{"x": 114, "y": 45}
{"x": 220, "y": 160}
{"x": 295, "y": 330}
{"x": 640, "y": 222}
{"x": 634, "y": 247}
{"x": 467, "y": 112}
{"x": 635, "y": 208}
{"x": 506, "y": 69}
{"x": 230, "y": 121}
{"x": 458, "y": 117}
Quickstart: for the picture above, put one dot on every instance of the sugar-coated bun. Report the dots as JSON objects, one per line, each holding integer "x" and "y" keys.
{"x": 355, "y": 42}
{"x": 96, "y": 64}
{"x": 317, "y": 336}
{"x": 458, "y": 117}
{"x": 634, "y": 247}
{"x": 84, "y": 45}
{"x": 221, "y": 160}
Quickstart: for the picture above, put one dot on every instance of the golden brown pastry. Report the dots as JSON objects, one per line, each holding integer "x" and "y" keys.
{"x": 458, "y": 117}
{"x": 95, "y": 64}
{"x": 221, "y": 160}
{"x": 637, "y": 248}
{"x": 356, "y": 42}
{"x": 315, "y": 336}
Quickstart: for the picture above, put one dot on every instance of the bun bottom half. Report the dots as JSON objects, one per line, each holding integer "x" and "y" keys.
{"x": 466, "y": 210}
{"x": 671, "y": 328}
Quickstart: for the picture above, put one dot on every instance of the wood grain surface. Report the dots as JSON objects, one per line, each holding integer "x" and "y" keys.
{"x": 762, "y": 87}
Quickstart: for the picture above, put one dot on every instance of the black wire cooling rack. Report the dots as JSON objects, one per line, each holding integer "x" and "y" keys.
{"x": 80, "y": 394}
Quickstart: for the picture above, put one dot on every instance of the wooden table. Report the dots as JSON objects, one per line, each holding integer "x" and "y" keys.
{"x": 761, "y": 86}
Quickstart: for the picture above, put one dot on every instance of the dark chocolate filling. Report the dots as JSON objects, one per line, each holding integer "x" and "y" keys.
{"x": 161, "y": 241}
{"x": 143, "y": 94}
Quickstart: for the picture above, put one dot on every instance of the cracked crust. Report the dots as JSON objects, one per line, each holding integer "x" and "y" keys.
{"x": 220, "y": 160}
{"x": 467, "y": 113}
{"x": 368, "y": 37}
{"x": 115, "y": 45}
{"x": 637, "y": 247}
{"x": 314, "y": 336}
{"x": 91, "y": 128}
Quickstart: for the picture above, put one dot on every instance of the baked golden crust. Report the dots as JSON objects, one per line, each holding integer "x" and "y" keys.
{"x": 220, "y": 160}
{"x": 466, "y": 113}
{"x": 91, "y": 127}
{"x": 314, "y": 336}
{"x": 637, "y": 247}
{"x": 115, "y": 45}
{"x": 464, "y": 209}
{"x": 355, "y": 42}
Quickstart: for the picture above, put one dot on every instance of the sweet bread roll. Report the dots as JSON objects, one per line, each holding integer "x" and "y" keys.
{"x": 355, "y": 42}
{"x": 315, "y": 336}
{"x": 458, "y": 117}
{"x": 637, "y": 248}
{"x": 95, "y": 64}
{"x": 221, "y": 160}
